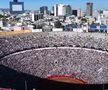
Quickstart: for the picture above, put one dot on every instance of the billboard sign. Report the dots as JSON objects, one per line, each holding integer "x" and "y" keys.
{"x": 16, "y": 7}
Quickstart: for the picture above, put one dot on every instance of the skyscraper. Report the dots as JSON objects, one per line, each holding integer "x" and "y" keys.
{"x": 68, "y": 10}
{"x": 77, "y": 12}
{"x": 62, "y": 10}
{"x": 56, "y": 10}
{"x": 44, "y": 10}
{"x": 89, "y": 10}
{"x": 36, "y": 16}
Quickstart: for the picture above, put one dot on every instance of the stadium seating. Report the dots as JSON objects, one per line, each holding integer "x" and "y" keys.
{"x": 82, "y": 55}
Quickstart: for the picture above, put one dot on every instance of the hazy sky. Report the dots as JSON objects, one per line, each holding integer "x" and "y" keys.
{"x": 35, "y": 4}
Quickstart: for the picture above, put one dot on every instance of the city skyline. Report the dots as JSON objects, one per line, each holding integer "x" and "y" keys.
{"x": 35, "y": 5}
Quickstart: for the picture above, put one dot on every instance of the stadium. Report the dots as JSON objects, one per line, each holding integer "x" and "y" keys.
{"x": 83, "y": 56}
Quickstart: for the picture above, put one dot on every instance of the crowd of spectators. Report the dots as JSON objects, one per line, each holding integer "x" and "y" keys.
{"x": 85, "y": 64}
{"x": 11, "y": 44}
{"x": 43, "y": 54}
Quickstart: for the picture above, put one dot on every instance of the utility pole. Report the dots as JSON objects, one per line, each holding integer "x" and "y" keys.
{"x": 25, "y": 85}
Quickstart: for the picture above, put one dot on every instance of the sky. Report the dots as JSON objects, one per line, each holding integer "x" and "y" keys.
{"x": 35, "y": 4}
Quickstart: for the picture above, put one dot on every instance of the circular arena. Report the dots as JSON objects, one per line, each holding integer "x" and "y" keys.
{"x": 80, "y": 55}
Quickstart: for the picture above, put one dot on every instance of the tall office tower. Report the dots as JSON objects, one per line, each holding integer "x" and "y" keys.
{"x": 52, "y": 9}
{"x": 56, "y": 10}
{"x": 36, "y": 16}
{"x": 44, "y": 10}
{"x": 16, "y": 7}
{"x": 77, "y": 12}
{"x": 89, "y": 10}
{"x": 62, "y": 10}
{"x": 68, "y": 10}
{"x": 1, "y": 23}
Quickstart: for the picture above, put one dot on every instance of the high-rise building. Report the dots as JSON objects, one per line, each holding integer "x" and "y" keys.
{"x": 62, "y": 10}
{"x": 52, "y": 9}
{"x": 1, "y": 23}
{"x": 44, "y": 10}
{"x": 68, "y": 10}
{"x": 16, "y": 7}
{"x": 36, "y": 16}
{"x": 89, "y": 10}
{"x": 77, "y": 12}
{"x": 56, "y": 10}
{"x": 105, "y": 13}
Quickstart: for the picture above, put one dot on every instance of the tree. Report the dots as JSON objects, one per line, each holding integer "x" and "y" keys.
{"x": 83, "y": 20}
{"x": 1, "y": 16}
{"x": 57, "y": 24}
